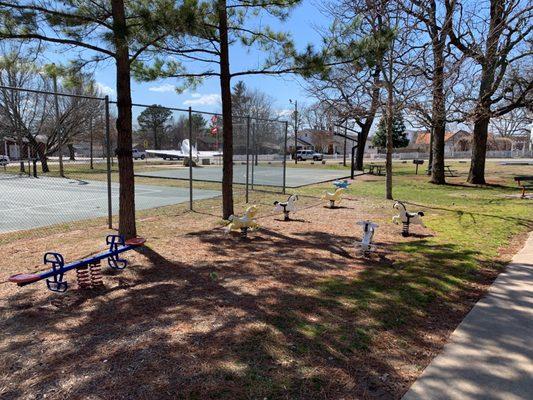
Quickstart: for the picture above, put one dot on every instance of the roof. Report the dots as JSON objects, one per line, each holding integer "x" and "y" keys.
{"x": 425, "y": 137}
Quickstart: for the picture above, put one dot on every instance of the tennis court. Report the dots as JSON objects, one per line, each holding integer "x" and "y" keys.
{"x": 267, "y": 175}
{"x": 27, "y": 203}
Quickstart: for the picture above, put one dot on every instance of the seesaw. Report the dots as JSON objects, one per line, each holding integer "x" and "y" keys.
{"x": 87, "y": 269}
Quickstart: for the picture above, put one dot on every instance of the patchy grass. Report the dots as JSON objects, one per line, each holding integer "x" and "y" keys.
{"x": 293, "y": 312}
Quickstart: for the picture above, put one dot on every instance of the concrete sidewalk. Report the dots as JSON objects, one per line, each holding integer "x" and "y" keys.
{"x": 490, "y": 354}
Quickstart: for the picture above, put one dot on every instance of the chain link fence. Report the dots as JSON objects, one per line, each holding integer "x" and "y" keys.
{"x": 57, "y": 163}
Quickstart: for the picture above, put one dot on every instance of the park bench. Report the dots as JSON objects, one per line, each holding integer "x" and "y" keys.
{"x": 525, "y": 182}
{"x": 375, "y": 169}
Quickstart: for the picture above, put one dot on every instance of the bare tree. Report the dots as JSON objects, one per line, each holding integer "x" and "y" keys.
{"x": 497, "y": 39}
{"x": 351, "y": 89}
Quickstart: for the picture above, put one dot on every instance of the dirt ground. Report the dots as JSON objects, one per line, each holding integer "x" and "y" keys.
{"x": 201, "y": 314}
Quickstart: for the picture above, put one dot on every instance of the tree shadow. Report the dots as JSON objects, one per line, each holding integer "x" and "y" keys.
{"x": 297, "y": 316}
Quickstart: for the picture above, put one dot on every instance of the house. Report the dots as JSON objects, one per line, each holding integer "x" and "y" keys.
{"x": 15, "y": 151}
{"x": 453, "y": 141}
{"x": 323, "y": 141}
{"x": 9, "y": 147}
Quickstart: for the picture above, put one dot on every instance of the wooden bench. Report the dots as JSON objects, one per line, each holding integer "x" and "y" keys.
{"x": 525, "y": 182}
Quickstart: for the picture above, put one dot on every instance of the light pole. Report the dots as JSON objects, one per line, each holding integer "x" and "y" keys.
{"x": 295, "y": 129}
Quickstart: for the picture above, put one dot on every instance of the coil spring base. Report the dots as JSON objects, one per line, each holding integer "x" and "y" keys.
{"x": 90, "y": 276}
{"x": 286, "y": 216}
{"x": 405, "y": 229}
{"x": 332, "y": 204}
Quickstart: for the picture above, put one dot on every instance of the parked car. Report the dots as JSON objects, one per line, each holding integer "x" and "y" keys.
{"x": 4, "y": 160}
{"x": 302, "y": 155}
{"x": 138, "y": 154}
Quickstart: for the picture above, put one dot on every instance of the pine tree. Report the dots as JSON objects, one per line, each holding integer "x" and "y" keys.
{"x": 399, "y": 135}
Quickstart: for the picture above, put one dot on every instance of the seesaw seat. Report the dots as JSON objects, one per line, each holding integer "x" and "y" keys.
{"x": 24, "y": 278}
{"x": 137, "y": 241}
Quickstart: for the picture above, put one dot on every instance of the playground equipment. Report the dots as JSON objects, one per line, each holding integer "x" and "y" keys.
{"x": 87, "y": 270}
{"x": 407, "y": 218}
{"x": 369, "y": 228}
{"x": 287, "y": 206}
{"x": 341, "y": 184}
{"x": 243, "y": 223}
{"x": 333, "y": 197}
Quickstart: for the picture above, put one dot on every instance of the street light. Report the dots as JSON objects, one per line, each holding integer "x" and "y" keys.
{"x": 295, "y": 129}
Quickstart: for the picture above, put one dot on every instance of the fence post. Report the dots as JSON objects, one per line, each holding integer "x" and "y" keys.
{"x": 247, "y": 155}
{"x": 108, "y": 147}
{"x": 58, "y": 126}
{"x": 190, "y": 159}
{"x": 345, "y": 143}
{"x": 254, "y": 152}
{"x": 285, "y": 156}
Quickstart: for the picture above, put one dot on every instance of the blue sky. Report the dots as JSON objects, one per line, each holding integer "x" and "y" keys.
{"x": 301, "y": 25}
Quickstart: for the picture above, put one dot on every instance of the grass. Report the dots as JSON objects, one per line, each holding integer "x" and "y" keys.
{"x": 294, "y": 312}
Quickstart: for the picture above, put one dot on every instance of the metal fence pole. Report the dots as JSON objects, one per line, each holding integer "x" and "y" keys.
{"x": 254, "y": 152}
{"x": 190, "y": 159}
{"x": 345, "y": 143}
{"x": 247, "y": 155}
{"x": 285, "y": 156}
{"x": 108, "y": 146}
{"x": 58, "y": 126}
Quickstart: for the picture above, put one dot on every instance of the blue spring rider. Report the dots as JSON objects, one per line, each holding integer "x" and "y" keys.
{"x": 87, "y": 269}
{"x": 341, "y": 184}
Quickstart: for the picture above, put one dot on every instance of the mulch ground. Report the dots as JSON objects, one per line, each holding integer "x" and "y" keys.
{"x": 202, "y": 314}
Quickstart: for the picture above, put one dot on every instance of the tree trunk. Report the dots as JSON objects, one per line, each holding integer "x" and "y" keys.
{"x": 227, "y": 133}
{"x": 71, "y": 152}
{"x": 479, "y": 150}
{"x": 362, "y": 136}
{"x": 156, "y": 144}
{"x": 369, "y": 121}
{"x": 438, "y": 116}
{"x": 22, "y": 168}
{"x": 486, "y": 90}
{"x": 127, "y": 226}
{"x": 38, "y": 149}
{"x": 388, "y": 161}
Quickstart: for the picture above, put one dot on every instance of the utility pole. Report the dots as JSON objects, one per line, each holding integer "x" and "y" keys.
{"x": 295, "y": 130}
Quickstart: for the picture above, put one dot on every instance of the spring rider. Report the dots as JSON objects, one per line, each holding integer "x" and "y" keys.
{"x": 244, "y": 223}
{"x": 286, "y": 206}
{"x": 407, "y": 218}
{"x": 341, "y": 184}
{"x": 369, "y": 228}
{"x": 333, "y": 197}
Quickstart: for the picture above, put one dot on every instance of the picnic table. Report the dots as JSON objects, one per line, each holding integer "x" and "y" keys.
{"x": 375, "y": 169}
{"x": 525, "y": 182}
{"x": 448, "y": 171}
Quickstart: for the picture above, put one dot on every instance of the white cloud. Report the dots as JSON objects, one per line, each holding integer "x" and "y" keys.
{"x": 285, "y": 112}
{"x": 162, "y": 88}
{"x": 198, "y": 99}
{"x": 104, "y": 89}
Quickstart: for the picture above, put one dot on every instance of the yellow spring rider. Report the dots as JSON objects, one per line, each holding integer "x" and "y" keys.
{"x": 244, "y": 223}
{"x": 333, "y": 198}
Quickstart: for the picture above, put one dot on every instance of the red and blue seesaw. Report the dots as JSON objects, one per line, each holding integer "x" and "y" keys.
{"x": 87, "y": 269}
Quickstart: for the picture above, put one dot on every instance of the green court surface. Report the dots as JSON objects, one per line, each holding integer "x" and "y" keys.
{"x": 27, "y": 203}
{"x": 267, "y": 175}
